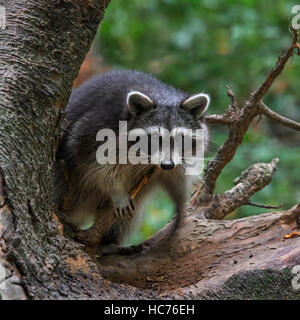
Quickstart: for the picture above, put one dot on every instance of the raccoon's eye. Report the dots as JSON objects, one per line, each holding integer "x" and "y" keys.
{"x": 154, "y": 143}
{"x": 172, "y": 143}
{"x": 188, "y": 146}
{"x": 160, "y": 143}
{"x": 149, "y": 144}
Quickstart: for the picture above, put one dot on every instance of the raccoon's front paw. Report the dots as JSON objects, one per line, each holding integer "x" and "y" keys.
{"x": 123, "y": 206}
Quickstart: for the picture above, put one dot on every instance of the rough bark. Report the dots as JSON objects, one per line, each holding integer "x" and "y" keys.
{"x": 41, "y": 51}
{"x": 246, "y": 259}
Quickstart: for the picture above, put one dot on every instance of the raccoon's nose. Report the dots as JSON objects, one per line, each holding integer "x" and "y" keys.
{"x": 167, "y": 165}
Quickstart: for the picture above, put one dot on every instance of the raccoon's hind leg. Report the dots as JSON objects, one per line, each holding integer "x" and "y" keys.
{"x": 178, "y": 191}
{"x": 110, "y": 243}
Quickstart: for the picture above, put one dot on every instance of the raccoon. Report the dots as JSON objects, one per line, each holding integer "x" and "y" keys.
{"x": 144, "y": 102}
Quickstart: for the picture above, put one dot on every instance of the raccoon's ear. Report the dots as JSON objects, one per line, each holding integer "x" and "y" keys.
{"x": 138, "y": 103}
{"x": 196, "y": 104}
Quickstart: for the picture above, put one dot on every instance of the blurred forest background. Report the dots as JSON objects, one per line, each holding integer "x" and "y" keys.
{"x": 201, "y": 46}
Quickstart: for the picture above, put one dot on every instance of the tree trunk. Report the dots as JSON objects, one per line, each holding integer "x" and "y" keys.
{"x": 41, "y": 50}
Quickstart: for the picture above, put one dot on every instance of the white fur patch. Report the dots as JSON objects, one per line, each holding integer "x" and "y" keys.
{"x": 195, "y": 97}
{"x": 137, "y": 93}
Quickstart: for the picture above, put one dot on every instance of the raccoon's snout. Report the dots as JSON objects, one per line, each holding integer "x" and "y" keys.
{"x": 167, "y": 165}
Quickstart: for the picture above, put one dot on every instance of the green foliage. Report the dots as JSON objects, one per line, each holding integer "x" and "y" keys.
{"x": 202, "y": 46}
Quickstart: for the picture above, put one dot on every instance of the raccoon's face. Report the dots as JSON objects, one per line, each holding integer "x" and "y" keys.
{"x": 177, "y": 126}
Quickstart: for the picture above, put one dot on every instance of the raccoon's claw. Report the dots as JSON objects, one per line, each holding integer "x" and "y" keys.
{"x": 124, "y": 207}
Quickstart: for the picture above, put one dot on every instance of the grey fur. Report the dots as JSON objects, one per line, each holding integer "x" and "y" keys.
{"x": 102, "y": 103}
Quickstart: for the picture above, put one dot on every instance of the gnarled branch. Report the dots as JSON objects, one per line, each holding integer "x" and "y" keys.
{"x": 239, "y": 120}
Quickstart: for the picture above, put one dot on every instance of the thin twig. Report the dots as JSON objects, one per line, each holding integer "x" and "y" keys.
{"x": 231, "y": 95}
{"x": 264, "y": 206}
{"x": 278, "y": 118}
{"x": 282, "y": 59}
